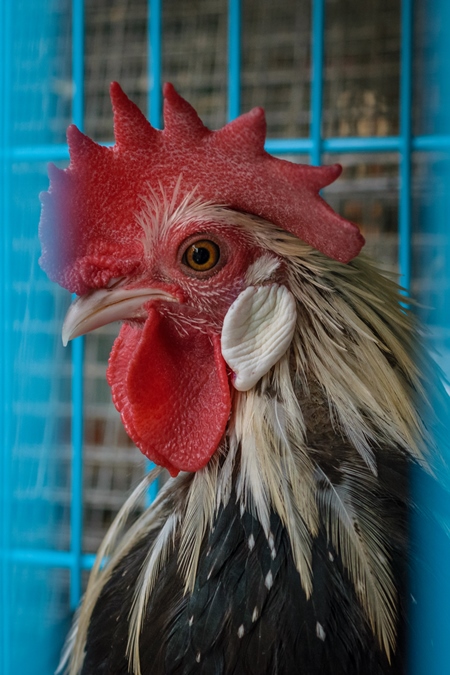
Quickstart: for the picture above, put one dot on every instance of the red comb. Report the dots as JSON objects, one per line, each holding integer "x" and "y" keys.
{"x": 90, "y": 208}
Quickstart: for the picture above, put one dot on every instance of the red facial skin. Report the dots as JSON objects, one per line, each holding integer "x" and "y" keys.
{"x": 168, "y": 378}
{"x": 209, "y": 293}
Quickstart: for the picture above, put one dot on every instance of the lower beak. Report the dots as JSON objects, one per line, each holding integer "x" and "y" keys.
{"x": 100, "y": 307}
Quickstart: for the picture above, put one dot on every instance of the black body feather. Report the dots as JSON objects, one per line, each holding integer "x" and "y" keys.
{"x": 248, "y": 613}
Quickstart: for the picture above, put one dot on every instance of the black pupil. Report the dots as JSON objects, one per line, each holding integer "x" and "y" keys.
{"x": 201, "y": 255}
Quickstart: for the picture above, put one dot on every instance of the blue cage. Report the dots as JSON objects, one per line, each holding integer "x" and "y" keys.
{"x": 288, "y": 58}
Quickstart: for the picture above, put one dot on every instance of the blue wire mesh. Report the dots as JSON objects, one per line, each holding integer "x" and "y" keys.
{"x": 42, "y": 554}
{"x": 35, "y": 383}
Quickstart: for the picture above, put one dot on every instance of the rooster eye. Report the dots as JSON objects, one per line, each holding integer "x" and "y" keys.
{"x": 202, "y": 255}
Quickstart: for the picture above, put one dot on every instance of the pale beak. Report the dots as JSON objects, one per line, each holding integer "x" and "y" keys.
{"x": 100, "y": 307}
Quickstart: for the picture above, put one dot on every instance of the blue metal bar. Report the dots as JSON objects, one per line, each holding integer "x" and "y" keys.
{"x": 6, "y": 356}
{"x": 154, "y": 64}
{"x": 349, "y": 144}
{"x": 76, "y": 513}
{"x": 359, "y": 144}
{"x": 38, "y": 153}
{"x": 234, "y": 58}
{"x": 406, "y": 56}
{"x": 281, "y": 146}
{"x": 386, "y": 143}
{"x": 49, "y": 558}
{"x": 362, "y": 144}
{"x": 78, "y": 62}
{"x": 317, "y": 53}
{"x": 431, "y": 142}
{"x": 3, "y": 362}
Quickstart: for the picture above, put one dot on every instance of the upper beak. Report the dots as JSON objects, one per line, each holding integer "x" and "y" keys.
{"x": 100, "y": 307}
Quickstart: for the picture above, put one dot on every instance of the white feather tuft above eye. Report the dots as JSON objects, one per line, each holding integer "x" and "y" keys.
{"x": 257, "y": 330}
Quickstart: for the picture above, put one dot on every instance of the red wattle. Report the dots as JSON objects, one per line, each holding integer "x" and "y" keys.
{"x": 171, "y": 388}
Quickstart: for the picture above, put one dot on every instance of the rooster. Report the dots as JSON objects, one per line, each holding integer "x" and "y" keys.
{"x": 273, "y": 372}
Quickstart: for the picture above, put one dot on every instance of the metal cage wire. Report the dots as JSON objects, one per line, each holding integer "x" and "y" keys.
{"x": 74, "y": 559}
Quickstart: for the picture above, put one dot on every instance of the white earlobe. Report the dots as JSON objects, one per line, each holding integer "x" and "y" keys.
{"x": 257, "y": 330}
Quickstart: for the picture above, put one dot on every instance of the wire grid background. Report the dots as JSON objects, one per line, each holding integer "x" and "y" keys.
{"x": 361, "y": 98}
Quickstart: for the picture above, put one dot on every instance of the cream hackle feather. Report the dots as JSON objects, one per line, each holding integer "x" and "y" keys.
{"x": 357, "y": 353}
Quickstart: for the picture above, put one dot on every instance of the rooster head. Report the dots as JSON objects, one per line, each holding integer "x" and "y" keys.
{"x": 160, "y": 232}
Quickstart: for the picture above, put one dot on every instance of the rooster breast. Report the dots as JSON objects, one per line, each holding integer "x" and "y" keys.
{"x": 247, "y": 614}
